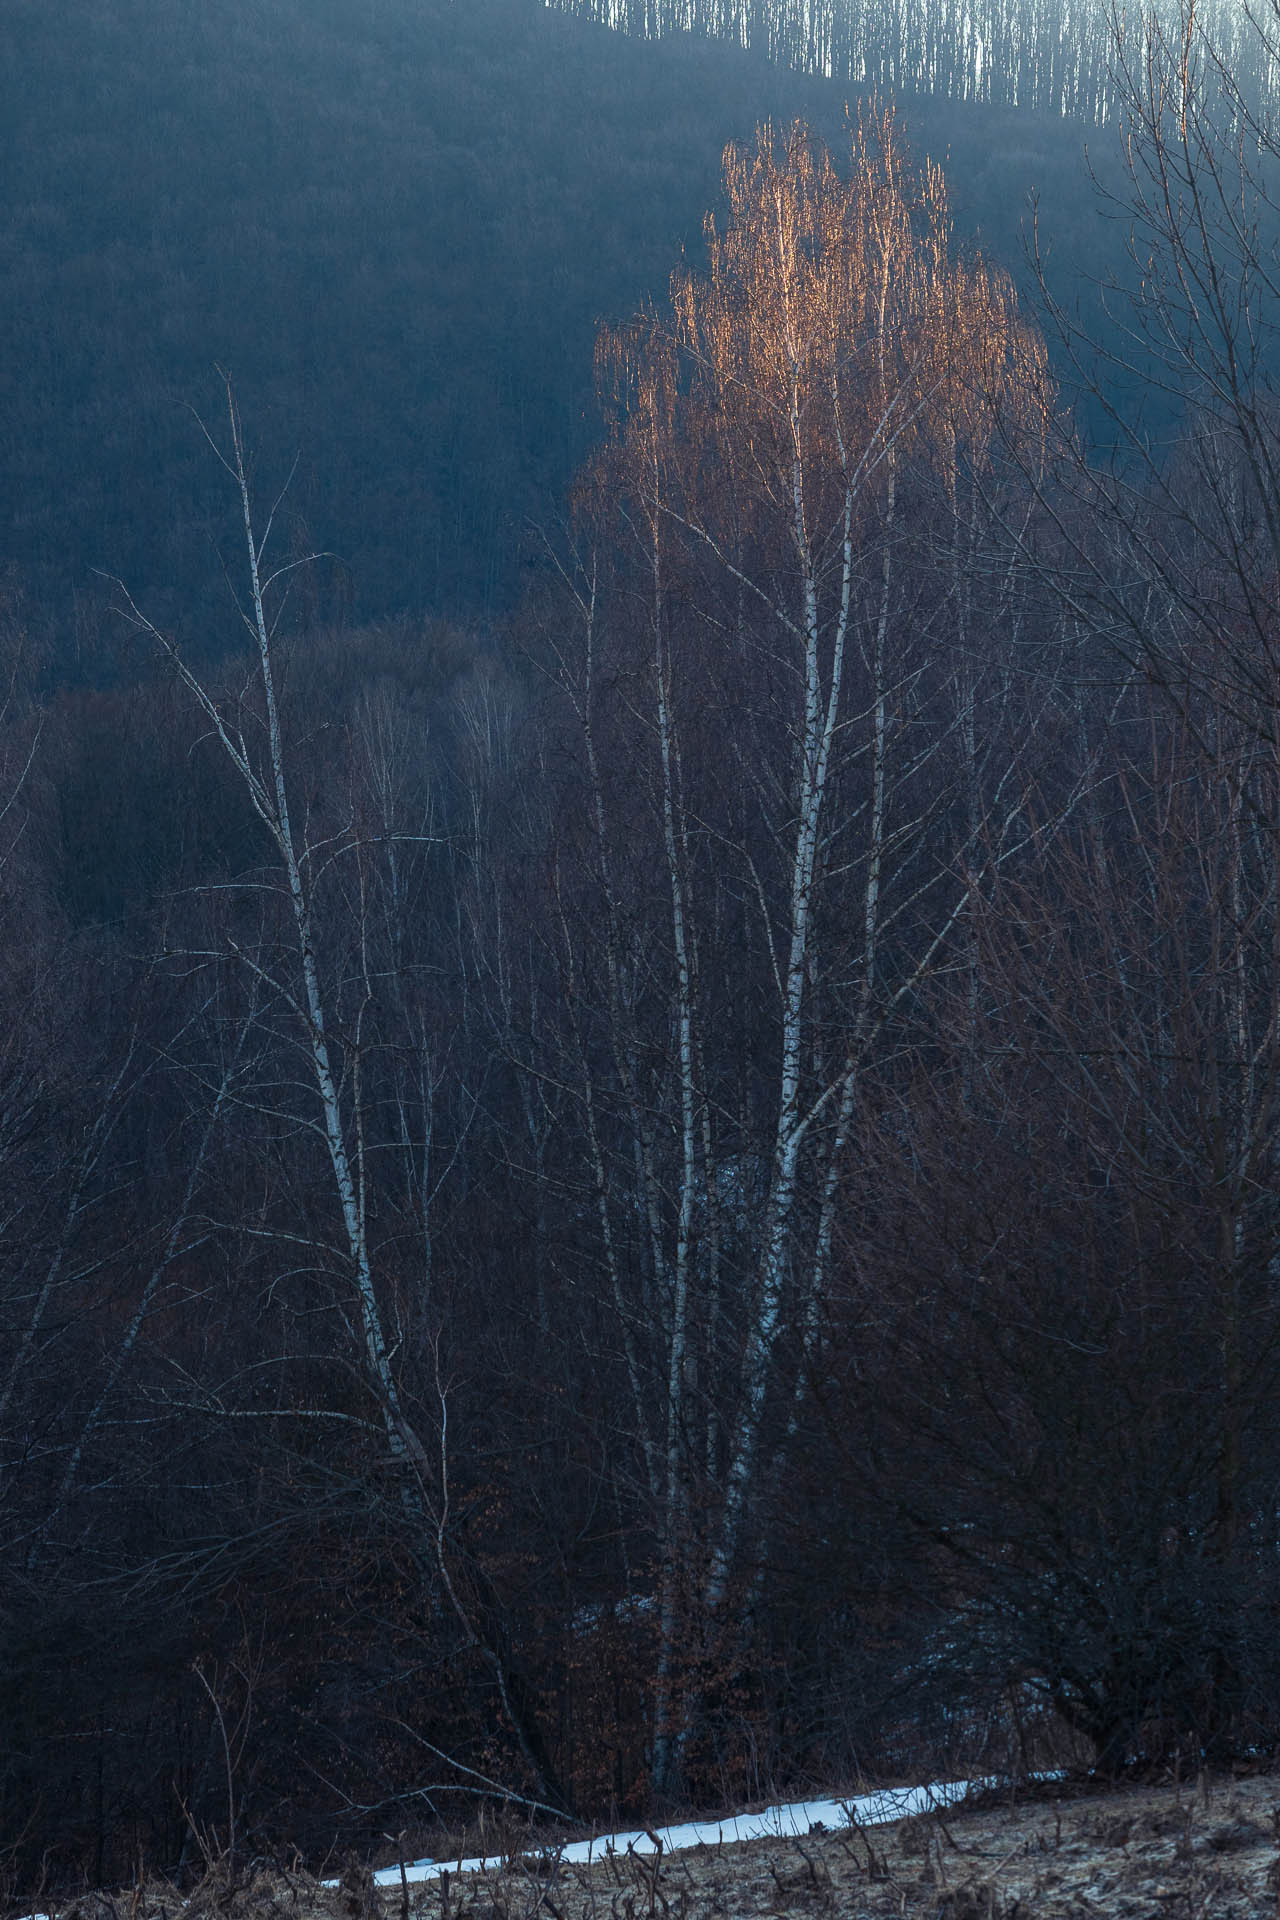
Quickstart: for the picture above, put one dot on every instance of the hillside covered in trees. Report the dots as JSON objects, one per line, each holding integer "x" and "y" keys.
{"x": 1030, "y": 54}
{"x": 399, "y": 227}
{"x": 671, "y": 1193}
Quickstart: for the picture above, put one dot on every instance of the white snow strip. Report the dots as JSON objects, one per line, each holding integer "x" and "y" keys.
{"x": 798, "y": 1817}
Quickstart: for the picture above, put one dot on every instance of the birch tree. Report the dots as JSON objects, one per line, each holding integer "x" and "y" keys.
{"x": 336, "y": 991}
{"x": 780, "y": 754}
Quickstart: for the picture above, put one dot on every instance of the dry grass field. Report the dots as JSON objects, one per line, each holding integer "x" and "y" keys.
{"x": 1209, "y": 1852}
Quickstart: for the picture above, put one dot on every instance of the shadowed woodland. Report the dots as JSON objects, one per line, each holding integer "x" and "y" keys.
{"x": 672, "y": 1195}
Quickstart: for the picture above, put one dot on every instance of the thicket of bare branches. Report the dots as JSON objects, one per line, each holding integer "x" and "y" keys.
{"x": 687, "y": 1205}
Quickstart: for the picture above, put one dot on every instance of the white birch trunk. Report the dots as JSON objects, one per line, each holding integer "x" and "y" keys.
{"x": 676, "y": 1490}
{"x": 821, "y": 714}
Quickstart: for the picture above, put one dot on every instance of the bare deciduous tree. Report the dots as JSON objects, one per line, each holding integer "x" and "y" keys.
{"x": 776, "y": 692}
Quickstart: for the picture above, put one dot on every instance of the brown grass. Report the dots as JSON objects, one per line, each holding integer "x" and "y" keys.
{"x": 1070, "y": 1853}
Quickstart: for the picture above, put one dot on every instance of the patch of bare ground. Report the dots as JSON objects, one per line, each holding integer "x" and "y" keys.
{"x": 1135, "y": 1853}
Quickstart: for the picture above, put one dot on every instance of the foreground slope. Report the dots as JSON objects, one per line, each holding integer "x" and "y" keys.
{"x": 1208, "y": 1850}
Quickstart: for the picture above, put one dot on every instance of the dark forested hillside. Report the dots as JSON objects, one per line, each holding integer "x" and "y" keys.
{"x": 674, "y": 1194}
{"x": 398, "y": 226}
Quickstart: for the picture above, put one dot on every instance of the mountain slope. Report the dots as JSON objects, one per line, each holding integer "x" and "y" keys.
{"x": 398, "y": 226}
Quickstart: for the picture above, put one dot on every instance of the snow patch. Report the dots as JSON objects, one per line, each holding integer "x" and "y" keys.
{"x": 796, "y": 1817}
